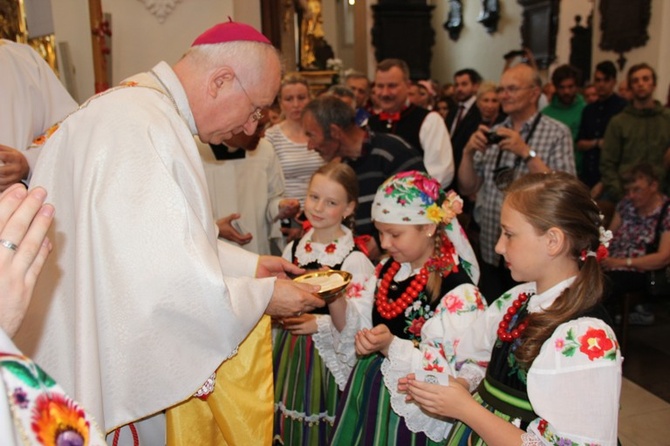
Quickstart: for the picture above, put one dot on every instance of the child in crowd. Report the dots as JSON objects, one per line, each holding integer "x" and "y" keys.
{"x": 305, "y": 390}
{"x": 409, "y": 315}
{"x": 554, "y": 375}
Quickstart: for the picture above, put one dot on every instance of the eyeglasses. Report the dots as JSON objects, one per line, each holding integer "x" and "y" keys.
{"x": 257, "y": 114}
{"x": 512, "y": 89}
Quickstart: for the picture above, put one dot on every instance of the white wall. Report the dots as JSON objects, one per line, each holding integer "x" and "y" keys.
{"x": 71, "y": 25}
{"x": 139, "y": 40}
{"x": 475, "y": 48}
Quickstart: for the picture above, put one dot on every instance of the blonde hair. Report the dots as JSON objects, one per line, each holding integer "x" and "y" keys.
{"x": 293, "y": 79}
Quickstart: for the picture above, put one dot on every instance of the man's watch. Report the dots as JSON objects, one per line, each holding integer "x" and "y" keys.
{"x": 532, "y": 154}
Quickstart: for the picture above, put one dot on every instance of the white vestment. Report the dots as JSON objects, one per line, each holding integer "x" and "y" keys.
{"x": 32, "y": 98}
{"x": 132, "y": 312}
{"x": 251, "y": 186}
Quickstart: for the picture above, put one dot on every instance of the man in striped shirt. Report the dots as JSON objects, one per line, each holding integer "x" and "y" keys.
{"x": 331, "y": 130}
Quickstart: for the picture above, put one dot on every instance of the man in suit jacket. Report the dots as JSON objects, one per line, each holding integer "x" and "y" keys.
{"x": 464, "y": 119}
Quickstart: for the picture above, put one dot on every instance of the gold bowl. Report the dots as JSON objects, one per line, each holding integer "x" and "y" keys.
{"x": 331, "y": 286}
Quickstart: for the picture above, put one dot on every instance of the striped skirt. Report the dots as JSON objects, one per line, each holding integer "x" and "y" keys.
{"x": 306, "y": 394}
{"x": 365, "y": 417}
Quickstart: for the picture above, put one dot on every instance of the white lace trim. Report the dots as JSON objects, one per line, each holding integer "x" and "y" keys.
{"x": 325, "y": 340}
{"x": 343, "y": 247}
{"x": 437, "y": 429}
{"x": 529, "y": 439}
{"x": 303, "y": 417}
{"x": 473, "y": 374}
{"x": 206, "y": 388}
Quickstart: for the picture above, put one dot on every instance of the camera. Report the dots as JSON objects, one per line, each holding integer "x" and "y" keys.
{"x": 493, "y": 138}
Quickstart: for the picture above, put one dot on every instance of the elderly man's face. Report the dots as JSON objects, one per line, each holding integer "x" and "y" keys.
{"x": 518, "y": 95}
{"x": 316, "y": 140}
{"x": 250, "y": 142}
{"x": 236, "y": 100}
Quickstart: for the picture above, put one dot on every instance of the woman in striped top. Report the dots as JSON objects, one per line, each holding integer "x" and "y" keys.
{"x": 289, "y": 140}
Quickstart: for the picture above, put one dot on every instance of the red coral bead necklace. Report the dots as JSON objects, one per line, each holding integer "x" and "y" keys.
{"x": 504, "y": 333}
{"x": 389, "y": 310}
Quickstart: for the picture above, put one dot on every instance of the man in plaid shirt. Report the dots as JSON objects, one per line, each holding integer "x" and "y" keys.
{"x": 526, "y": 141}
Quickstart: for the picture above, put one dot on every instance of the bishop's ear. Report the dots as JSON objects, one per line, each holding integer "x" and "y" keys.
{"x": 218, "y": 78}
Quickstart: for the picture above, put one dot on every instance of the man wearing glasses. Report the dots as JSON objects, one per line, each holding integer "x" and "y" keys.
{"x": 526, "y": 141}
{"x": 140, "y": 305}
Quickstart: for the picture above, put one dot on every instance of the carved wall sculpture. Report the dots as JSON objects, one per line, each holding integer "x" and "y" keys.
{"x": 539, "y": 29}
{"x": 580, "y": 46}
{"x": 454, "y": 22}
{"x": 403, "y": 30}
{"x": 160, "y": 8}
{"x": 624, "y": 26}
{"x": 489, "y": 15}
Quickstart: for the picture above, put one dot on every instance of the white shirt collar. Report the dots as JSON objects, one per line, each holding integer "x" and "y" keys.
{"x": 541, "y": 302}
{"x": 468, "y": 104}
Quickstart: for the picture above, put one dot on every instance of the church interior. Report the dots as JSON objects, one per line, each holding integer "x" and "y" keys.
{"x": 95, "y": 44}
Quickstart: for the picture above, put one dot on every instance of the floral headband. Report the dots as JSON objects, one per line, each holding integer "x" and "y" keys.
{"x": 414, "y": 198}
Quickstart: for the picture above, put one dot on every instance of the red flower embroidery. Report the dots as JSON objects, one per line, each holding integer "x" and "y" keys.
{"x": 542, "y": 426}
{"x": 308, "y": 247}
{"x": 354, "y": 290}
{"x": 595, "y": 343}
{"x": 435, "y": 367}
{"x": 454, "y": 303}
{"x": 330, "y": 248}
{"x": 416, "y": 326}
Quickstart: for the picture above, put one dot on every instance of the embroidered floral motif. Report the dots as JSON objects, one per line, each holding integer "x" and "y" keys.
{"x": 331, "y": 247}
{"x": 20, "y": 398}
{"x": 308, "y": 247}
{"x": 416, "y": 326}
{"x": 416, "y": 315}
{"x": 548, "y": 434}
{"x": 595, "y": 343}
{"x": 454, "y": 303}
{"x": 40, "y": 140}
{"x": 59, "y": 420}
{"x": 355, "y": 290}
{"x": 44, "y": 413}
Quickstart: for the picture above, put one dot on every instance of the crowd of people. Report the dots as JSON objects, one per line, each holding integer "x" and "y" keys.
{"x": 474, "y": 219}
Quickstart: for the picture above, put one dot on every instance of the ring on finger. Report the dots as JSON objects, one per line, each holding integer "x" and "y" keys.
{"x": 9, "y": 245}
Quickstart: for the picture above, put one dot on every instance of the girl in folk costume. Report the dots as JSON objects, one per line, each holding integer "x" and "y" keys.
{"x": 408, "y": 317}
{"x": 554, "y": 375}
{"x": 306, "y": 391}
